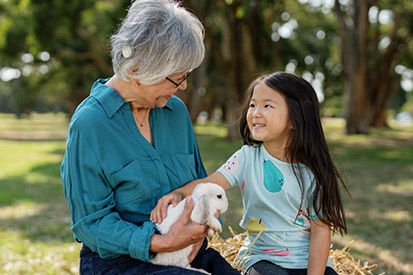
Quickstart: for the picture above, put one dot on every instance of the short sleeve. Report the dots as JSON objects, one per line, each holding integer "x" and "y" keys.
{"x": 232, "y": 169}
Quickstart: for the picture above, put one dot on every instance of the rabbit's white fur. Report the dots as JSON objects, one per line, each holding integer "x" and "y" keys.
{"x": 208, "y": 199}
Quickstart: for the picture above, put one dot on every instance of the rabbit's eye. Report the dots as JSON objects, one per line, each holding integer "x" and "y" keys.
{"x": 219, "y": 196}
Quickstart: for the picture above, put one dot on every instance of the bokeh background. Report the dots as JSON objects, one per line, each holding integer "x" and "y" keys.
{"x": 357, "y": 54}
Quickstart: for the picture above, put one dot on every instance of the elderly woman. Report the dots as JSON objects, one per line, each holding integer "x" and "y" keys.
{"x": 131, "y": 142}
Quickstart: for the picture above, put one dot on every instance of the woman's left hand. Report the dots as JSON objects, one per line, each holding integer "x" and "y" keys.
{"x": 158, "y": 214}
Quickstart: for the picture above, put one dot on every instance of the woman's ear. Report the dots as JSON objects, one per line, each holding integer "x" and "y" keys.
{"x": 135, "y": 81}
{"x": 131, "y": 75}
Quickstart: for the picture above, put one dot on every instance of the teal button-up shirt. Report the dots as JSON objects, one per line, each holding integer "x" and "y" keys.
{"x": 113, "y": 177}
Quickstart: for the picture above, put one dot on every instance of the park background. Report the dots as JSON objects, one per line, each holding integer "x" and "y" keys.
{"x": 357, "y": 54}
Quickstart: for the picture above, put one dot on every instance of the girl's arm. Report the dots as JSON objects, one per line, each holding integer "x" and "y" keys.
{"x": 160, "y": 210}
{"x": 319, "y": 247}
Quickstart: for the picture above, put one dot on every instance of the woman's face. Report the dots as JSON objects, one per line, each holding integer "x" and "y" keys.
{"x": 157, "y": 95}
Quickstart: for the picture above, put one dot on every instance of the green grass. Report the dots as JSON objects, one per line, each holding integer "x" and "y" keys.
{"x": 35, "y": 234}
{"x": 379, "y": 171}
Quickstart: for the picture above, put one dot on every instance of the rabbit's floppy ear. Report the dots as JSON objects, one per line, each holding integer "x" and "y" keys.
{"x": 203, "y": 209}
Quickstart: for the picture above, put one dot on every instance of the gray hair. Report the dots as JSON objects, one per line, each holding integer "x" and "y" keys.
{"x": 157, "y": 39}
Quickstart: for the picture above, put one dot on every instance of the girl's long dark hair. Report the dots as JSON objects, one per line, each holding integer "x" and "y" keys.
{"x": 306, "y": 144}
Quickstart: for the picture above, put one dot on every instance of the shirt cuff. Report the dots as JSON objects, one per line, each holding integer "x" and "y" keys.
{"x": 140, "y": 244}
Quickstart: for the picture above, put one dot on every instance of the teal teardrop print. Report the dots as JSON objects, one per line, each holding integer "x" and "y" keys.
{"x": 273, "y": 178}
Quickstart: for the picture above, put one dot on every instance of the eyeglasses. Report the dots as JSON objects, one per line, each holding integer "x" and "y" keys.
{"x": 177, "y": 84}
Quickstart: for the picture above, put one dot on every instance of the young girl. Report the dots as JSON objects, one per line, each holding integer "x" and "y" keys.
{"x": 289, "y": 184}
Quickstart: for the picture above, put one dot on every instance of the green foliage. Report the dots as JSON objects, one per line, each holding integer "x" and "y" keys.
{"x": 59, "y": 20}
{"x": 76, "y": 34}
{"x": 15, "y": 25}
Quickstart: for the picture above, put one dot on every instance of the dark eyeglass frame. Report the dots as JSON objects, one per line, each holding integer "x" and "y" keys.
{"x": 177, "y": 84}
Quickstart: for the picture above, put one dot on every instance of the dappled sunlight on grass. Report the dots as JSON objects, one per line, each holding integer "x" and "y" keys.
{"x": 22, "y": 256}
{"x": 36, "y": 127}
{"x": 400, "y": 188}
{"x": 35, "y": 122}
{"x": 379, "y": 217}
{"x": 20, "y": 210}
{"x": 35, "y": 234}
{"x": 397, "y": 216}
{"x": 211, "y": 129}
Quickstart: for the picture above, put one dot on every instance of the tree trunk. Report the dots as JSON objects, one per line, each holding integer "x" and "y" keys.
{"x": 197, "y": 94}
{"x": 239, "y": 64}
{"x": 230, "y": 49}
{"x": 353, "y": 55}
{"x": 368, "y": 69}
{"x": 386, "y": 84}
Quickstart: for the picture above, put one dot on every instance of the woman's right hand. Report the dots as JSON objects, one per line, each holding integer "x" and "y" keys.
{"x": 158, "y": 214}
{"x": 182, "y": 233}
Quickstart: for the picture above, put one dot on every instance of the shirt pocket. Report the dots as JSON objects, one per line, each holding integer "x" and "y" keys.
{"x": 180, "y": 168}
{"x": 136, "y": 184}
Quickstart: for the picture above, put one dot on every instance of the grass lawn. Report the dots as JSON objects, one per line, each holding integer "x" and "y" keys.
{"x": 35, "y": 234}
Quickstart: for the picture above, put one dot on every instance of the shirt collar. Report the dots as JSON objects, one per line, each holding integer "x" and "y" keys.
{"x": 110, "y": 100}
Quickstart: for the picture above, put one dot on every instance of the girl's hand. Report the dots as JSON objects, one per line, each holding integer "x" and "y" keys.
{"x": 160, "y": 210}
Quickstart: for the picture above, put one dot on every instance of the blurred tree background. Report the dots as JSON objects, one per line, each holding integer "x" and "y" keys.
{"x": 357, "y": 54}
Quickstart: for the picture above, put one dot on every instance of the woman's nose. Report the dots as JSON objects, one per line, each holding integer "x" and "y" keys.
{"x": 183, "y": 85}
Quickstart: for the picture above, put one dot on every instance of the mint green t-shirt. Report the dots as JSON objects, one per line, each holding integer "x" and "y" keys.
{"x": 113, "y": 177}
{"x": 271, "y": 197}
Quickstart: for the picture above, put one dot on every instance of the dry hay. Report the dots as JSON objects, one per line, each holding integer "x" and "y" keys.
{"x": 344, "y": 262}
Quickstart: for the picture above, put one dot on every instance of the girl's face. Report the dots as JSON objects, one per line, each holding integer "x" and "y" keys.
{"x": 268, "y": 118}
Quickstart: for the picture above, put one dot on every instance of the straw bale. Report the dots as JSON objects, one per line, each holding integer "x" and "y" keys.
{"x": 344, "y": 262}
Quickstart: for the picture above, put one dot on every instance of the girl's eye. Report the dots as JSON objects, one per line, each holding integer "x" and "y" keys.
{"x": 267, "y": 106}
{"x": 252, "y": 105}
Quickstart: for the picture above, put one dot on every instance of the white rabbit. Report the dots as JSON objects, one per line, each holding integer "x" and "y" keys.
{"x": 208, "y": 199}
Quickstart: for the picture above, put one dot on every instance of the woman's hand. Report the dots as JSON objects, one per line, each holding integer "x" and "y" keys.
{"x": 160, "y": 210}
{"x": 182, "y": 233}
